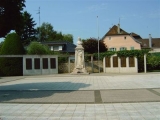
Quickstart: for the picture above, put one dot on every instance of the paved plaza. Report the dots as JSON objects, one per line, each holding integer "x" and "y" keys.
{"x": 80, "y": 97}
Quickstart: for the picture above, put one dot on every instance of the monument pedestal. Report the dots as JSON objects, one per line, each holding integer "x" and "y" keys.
{"x": 80, "y": 71}
{"x": 79, "y": 59}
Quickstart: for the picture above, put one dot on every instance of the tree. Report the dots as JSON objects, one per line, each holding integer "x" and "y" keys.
{"x": 91, "y": 46}
{"x": 11, "y": 46}
{"x": 10, "y": 15}
{"x": 57, "y": 36}
{"x": 68, "y": 37}
{"x": 1, "y": 43}
{"x": 46, "y": 32}
{"x": 35, "y": 48}
{"x": 27, "y": 31}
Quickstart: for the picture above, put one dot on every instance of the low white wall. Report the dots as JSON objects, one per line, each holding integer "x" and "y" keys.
{"x": 120, "y": 69}
{"x": 40, "y": 71}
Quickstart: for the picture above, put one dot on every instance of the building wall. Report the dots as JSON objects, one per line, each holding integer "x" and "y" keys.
{"x": 119, "y": 41}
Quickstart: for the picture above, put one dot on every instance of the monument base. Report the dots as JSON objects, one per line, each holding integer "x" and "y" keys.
{"x": 77, "y": 71}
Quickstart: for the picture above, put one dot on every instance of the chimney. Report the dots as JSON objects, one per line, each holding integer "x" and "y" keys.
{"x": 118, "y": 30}
{"x": 150, "y": 41}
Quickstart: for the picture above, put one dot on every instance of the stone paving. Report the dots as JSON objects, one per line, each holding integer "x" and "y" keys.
{"x": 116, "y": 111}
{"x": 91, "y": 97}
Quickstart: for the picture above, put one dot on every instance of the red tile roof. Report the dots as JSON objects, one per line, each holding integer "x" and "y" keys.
{"x": 145, "y": 42}
{"x": 114, "y": 31}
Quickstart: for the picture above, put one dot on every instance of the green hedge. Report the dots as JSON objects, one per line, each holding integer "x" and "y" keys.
{"x": 11, "y": 46}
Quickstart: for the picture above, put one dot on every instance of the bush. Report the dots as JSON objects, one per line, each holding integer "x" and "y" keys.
{"x": 35, "y": 48}
{"x": 12, "y": 46}
{"x": 153, "y": 62}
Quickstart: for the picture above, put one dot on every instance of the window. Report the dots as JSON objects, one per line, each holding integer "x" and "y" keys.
{"x": 56, "y": 48}
{"x": 132, "y": 48}
{"x": 109, "y": 38}
{"x": 51, "y": 48}
{"x": 123, "y": 48}
{"x": 125, "y": 37}
{"x": 112, "y": 49}
{"x": 60, "y": 47}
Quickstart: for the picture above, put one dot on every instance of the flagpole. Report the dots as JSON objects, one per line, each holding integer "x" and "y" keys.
{"x": 98, "y": 42}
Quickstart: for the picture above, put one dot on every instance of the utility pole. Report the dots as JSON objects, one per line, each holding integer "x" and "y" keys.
{"x": 98, "y": 42}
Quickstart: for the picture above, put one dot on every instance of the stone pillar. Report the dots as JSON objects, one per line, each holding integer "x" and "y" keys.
{"x": 145, "y": 64}
{"x": 79, "y": 59}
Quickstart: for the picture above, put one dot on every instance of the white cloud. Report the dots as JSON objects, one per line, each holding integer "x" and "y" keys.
{"x": 93, "y": 8}
{"x": 101, "y": 6}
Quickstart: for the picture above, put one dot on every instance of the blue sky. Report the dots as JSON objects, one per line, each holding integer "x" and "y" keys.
{"x": 79, "y": 17}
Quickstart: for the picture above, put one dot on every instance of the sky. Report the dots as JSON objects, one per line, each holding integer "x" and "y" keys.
{"x": 79, "y": 17}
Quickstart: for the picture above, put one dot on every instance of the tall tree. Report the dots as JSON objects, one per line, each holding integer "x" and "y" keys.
{"x": 46, "y": 32}
{"x": 91, "y": 45}
{"x": 10, "y": 15}
{"x": 68, "y": 37}
{"x": 27, "y": 31}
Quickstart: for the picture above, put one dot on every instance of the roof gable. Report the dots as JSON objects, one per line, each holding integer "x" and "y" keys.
{"x": 114, "y": 31}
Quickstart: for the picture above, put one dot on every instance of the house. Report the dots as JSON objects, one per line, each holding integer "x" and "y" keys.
{"x": 116, "y": 39}
{"x": 61, "y": 46}
{"x": 153, "y": 43}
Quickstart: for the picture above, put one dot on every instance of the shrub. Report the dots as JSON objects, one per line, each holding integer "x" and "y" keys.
{"x": 35, "y": 48}
{"x": 153, "y": 61}
{"x": 12, "y": 46}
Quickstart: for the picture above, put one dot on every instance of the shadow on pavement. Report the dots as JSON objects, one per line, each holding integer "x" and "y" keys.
{"x": 36, "y": 92}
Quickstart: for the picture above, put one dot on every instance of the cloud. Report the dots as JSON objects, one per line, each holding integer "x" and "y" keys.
{"x": 154, "y": 14}
{"x": 97, "y": 7}
{"x": 93, "y": 8}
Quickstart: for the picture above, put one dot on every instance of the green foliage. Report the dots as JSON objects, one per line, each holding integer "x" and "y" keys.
{"x": 131, "y": 53}
{"x": 1, "y": 45}
{"x": 10, "y": 15}
{"x": 68, "y": 38}
{"x": 153, "y": 60}
{"x": 124, "y": 53}
{"x": 35, "y": 48}
{"x": 47, "y": 33}
{"x": 104, "y": 54}
{"x": 11, "y": 46}
{"x": 91, "y": 46}
{"x": 27, "y": 31}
